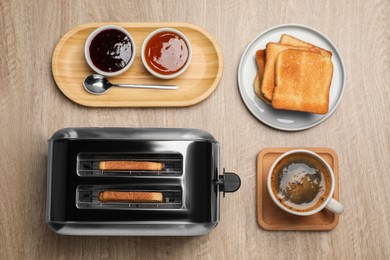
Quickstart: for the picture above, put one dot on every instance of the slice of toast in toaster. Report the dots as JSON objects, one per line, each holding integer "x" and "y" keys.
{"x": 303, "y": 81}
{"x": 131, "y": 196}
{"x": 260, "y": 60}
{"x": 130, "y": 165}
{"x": 291, "y": 40}
{"x": 272, "y": 52}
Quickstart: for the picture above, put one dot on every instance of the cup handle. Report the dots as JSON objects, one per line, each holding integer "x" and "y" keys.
{"x": 335, "y": 206}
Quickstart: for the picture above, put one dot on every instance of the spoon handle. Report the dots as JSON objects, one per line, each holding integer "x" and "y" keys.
{"x": 145, "y": 86}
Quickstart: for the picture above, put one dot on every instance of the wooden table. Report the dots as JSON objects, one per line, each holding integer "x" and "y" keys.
{"x": 32, "y": 109}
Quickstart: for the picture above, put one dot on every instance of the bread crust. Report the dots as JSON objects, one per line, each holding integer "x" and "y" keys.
{"x": 260, "y": 60}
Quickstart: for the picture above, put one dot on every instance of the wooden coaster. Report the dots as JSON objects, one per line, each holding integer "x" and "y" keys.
{"x": 271, "y": 217}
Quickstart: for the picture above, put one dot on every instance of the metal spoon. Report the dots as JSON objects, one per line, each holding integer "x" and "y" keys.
{"x": 97, "y": 84}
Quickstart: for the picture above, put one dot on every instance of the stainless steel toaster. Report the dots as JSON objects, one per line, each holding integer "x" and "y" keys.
{"x": 135, "y": 181}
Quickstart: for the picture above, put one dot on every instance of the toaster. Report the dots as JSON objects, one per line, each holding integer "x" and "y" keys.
{"x": 135, "y": 182}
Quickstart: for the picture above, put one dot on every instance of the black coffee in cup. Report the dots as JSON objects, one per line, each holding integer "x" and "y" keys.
{"x": 301, "y": 182}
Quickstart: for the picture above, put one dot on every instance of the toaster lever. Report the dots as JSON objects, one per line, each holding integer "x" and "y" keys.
{"x": 229, "y": 182}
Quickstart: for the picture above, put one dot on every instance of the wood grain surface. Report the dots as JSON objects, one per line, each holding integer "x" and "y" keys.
{"x": 32, "y": 109}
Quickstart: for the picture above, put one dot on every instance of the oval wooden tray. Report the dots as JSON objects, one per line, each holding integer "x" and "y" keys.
{"x": 195, "y": 84}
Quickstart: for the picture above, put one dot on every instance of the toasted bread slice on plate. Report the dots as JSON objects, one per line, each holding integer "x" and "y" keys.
{"x": 260, "y": 60}
{"x": 291, "y": 40}
{"x": 303, "y": 81}
{"x": 272, "y": 52}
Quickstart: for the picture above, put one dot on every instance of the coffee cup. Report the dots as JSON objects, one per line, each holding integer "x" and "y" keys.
{"x": 302, "y": 183}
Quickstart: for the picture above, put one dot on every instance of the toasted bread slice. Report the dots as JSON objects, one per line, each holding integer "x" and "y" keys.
{"x": 260, "y": 60}
{"x": 271, "y": 53}
{"x": 303, "y": 81}
{"x": 131, "y": 196}
{"x": 130, "y": 166}
{"x": 291, "y": 40}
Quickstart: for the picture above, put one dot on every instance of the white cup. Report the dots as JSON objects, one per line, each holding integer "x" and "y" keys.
{"x": 329, "y": 202}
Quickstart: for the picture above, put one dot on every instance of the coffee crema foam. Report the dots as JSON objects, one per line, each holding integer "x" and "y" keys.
{"x": 300, "y": 182}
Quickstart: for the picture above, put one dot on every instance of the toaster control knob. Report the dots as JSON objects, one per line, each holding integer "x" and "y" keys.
{"x": 229, "y": 182}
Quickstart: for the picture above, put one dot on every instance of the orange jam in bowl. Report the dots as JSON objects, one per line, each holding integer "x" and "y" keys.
{"x": 166, "y": 53}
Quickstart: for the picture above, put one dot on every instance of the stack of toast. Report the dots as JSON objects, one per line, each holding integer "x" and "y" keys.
{"x": 294, "y": 75}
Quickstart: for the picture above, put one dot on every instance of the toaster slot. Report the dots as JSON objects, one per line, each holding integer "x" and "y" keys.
{"x": 111, "y": 164}
{"x": 128, "y": 197}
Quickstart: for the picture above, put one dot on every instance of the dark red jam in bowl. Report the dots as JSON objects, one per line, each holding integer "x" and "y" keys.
{"x": 111, "y": 50}
{"x": 166, "y": 53}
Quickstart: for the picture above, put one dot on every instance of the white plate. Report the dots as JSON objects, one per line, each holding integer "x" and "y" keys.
{"x": 283, "y": 119}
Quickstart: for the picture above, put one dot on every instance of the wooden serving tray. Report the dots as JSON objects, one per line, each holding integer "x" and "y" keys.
{"x": 195, "y": 84}
{"x": 271, "y": 217}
